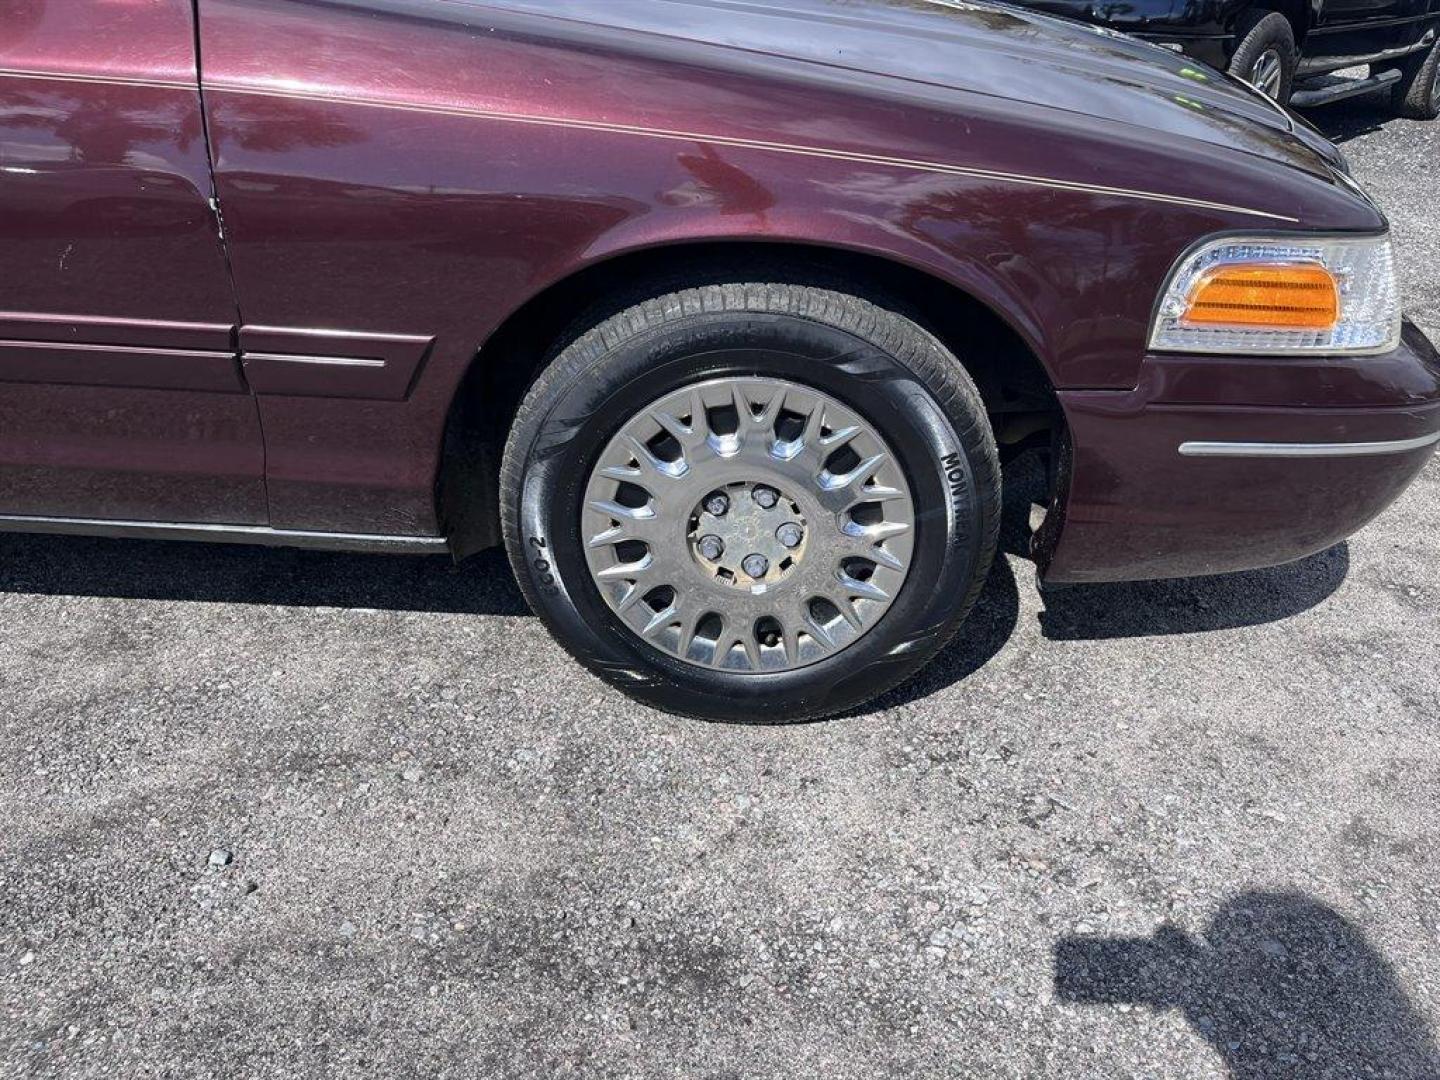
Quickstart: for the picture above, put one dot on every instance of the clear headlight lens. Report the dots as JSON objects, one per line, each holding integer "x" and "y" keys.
{"x": 1282, "y": 295}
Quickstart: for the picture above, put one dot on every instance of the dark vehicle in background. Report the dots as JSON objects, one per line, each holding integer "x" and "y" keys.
{"x": 1290, "y": 48}
{"x": 720, "y": 316}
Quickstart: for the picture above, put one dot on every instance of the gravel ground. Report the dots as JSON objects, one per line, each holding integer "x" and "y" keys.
{"x": 277, "y": 813}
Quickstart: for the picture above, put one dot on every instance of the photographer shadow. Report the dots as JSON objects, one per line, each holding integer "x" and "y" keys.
{"x": 1278, "y": 983}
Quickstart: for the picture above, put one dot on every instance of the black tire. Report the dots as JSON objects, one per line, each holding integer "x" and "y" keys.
{"x": 1417, "y": 94}
{"x": 1257, "y": 33}
{"x": 864, "y": 353}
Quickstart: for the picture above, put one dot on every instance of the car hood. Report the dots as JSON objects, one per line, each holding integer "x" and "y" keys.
{"x": 991, "y": 49}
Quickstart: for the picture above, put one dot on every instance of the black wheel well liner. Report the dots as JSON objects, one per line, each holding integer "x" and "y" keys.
{"x": 1013, "y": 383}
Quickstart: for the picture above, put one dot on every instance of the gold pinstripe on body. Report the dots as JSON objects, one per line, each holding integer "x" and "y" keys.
{"x": 606, "y": 127}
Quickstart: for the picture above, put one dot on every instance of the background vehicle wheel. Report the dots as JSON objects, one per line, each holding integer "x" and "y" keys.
{"x": 752, "y": 502}
{"x": 1417, "y": 94}
{"x": 1266, "y": 56}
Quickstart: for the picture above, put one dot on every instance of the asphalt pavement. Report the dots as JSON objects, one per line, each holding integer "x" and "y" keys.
{"x": 268, "y": 813}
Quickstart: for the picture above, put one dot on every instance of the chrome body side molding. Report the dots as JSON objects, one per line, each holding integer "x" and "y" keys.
{"x": 1306, "y": 450}
{"x": 227, "y": 534}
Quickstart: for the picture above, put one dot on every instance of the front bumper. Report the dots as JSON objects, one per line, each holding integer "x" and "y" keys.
{"x": 1215, "y": 464}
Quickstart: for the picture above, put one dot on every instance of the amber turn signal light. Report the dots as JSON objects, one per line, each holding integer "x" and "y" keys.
{"x": 1292, "y": 295}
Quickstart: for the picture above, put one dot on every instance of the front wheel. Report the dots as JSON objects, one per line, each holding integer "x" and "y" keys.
{"x": 1266, "y": 56}
{"x": 752, "y": 502}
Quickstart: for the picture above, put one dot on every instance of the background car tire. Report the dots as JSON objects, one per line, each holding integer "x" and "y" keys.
{"x": 1265, "y": 37}
{"x": 863, "y": 353}
{"x": 1417, "y": 94}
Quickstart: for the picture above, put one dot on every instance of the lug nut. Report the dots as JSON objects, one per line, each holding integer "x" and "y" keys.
{"x": 711, "y": 547}
{"x": 718, "y": 505}
{"x": 755, "y": 565}
{"x": 765, "y": 497}
{"x": 790, "y": 534}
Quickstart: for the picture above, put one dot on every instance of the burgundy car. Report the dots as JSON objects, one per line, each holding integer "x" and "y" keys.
{"x": 720, "y": 315}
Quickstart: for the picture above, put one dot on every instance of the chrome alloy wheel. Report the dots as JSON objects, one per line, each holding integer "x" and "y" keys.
{"x": 1266, "y": 73}
{"x": 748, "y": 524}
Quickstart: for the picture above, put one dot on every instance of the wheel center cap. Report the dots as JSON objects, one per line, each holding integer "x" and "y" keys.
{"x": 747, "y": 534}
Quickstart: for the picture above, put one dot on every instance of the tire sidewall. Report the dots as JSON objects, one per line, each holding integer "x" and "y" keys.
{"x": 587, "y": 411}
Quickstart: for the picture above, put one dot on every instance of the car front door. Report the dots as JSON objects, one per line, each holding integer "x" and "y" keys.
{"x": 121, "y": 395}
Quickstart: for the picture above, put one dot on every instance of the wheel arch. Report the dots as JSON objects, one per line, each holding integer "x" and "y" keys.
{"x": 1002, "y": 358}
{"x": 1301, "y": 14}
